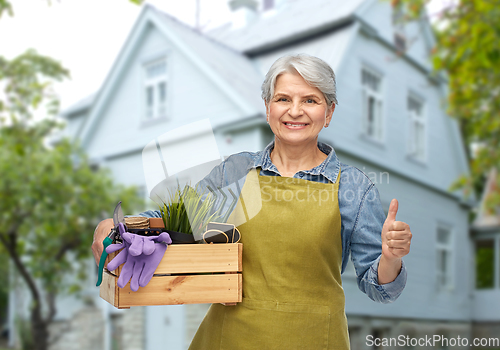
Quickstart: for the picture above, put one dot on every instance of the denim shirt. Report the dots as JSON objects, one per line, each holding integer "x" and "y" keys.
{"x": 362, "y": 216}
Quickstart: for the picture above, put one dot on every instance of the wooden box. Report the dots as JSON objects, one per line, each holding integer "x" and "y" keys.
{"x": 187, "y": 274}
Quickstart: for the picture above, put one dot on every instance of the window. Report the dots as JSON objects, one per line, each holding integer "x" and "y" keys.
{"x": 444, "y": 258}
{"x": 485, "y": 264}
{"x": 155, "y": 89}
{"x": 372, "y": 104}
{"x": 416, "y": 122}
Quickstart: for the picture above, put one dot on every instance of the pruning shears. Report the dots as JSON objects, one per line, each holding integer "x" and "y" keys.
{"x": 120, "y": 228}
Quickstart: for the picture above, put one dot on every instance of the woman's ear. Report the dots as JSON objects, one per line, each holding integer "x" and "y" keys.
{"x": 329, "y": 114}
{"x": 267, "y": 111}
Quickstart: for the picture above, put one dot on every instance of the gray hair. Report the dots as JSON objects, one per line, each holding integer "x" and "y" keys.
{"x": 315, "y": 72}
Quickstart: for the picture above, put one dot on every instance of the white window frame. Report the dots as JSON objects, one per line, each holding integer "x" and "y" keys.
{"x": 448, "y": 248}
{"x": 373, "y": 130}
{"x": 416, "y": 150}
{"x": 157, "y": 110}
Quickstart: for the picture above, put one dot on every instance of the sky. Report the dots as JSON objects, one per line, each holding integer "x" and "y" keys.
{"x": 86, "y": 35}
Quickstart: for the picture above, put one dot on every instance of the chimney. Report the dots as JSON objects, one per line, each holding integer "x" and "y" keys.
{"x": 243, "y": 12}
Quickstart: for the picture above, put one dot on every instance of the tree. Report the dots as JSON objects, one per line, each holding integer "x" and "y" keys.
{"x": 467, "y": 50}
{"x": 51, "y": 198}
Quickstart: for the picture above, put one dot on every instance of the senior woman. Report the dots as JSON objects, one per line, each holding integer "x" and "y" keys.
{"x": 298, "y": 244}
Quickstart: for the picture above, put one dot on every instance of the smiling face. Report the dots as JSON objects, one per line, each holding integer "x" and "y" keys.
{"x": 298, "y": 111}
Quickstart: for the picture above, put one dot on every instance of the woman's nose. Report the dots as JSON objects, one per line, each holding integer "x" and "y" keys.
{"x": 295, "y": 110}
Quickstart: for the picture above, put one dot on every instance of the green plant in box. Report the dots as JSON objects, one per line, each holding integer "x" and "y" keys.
{"x": 186, "y": 211}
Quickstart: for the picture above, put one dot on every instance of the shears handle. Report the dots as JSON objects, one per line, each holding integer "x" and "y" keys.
{"x": 106, "y": 242}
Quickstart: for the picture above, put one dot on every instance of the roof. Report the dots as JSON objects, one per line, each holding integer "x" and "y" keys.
{"x": 288, "y": 24}
{"x": 79, "y": 106}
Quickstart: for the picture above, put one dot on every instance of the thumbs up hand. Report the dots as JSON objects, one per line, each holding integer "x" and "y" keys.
{"x": 396, "y": 235}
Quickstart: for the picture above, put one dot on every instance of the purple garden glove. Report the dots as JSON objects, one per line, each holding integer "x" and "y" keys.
{"x": 141, "y": 255}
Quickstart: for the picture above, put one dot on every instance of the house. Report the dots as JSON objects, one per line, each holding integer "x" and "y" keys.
{"x": 390, "y": 123}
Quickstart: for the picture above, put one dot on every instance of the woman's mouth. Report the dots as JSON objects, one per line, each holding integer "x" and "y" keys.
{"x": 295, "y": 125}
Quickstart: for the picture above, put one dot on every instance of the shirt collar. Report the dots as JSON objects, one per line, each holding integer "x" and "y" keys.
{"x": 329, "y": 168}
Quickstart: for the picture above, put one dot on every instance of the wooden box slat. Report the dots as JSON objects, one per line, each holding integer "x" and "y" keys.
{"x": 197, "y": 258}
{"x": 201, "y": 258}
{"x": 175, "y": 290}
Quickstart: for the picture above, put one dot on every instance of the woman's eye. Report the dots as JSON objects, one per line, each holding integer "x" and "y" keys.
{"x": 282, "y": 99}
{"x": 310, "y": 100}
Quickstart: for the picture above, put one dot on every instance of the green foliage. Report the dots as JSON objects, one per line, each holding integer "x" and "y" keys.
{"x": 5, "y": 6}
{"x": 51, "y": 198}
{"x": 51, "y": 201}
{"x": 467, "y": 51}
{"x": 28, "y": 80}
{"x": 185, "y": 211}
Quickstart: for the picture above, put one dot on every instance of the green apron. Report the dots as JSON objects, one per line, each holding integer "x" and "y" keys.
{"x": 292, "y": 257}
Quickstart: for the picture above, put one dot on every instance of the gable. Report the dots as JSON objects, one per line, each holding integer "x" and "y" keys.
{"x": 122, "y": 128}
{"x": 171, "y": 39}
{"x": 234, "y": 68}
